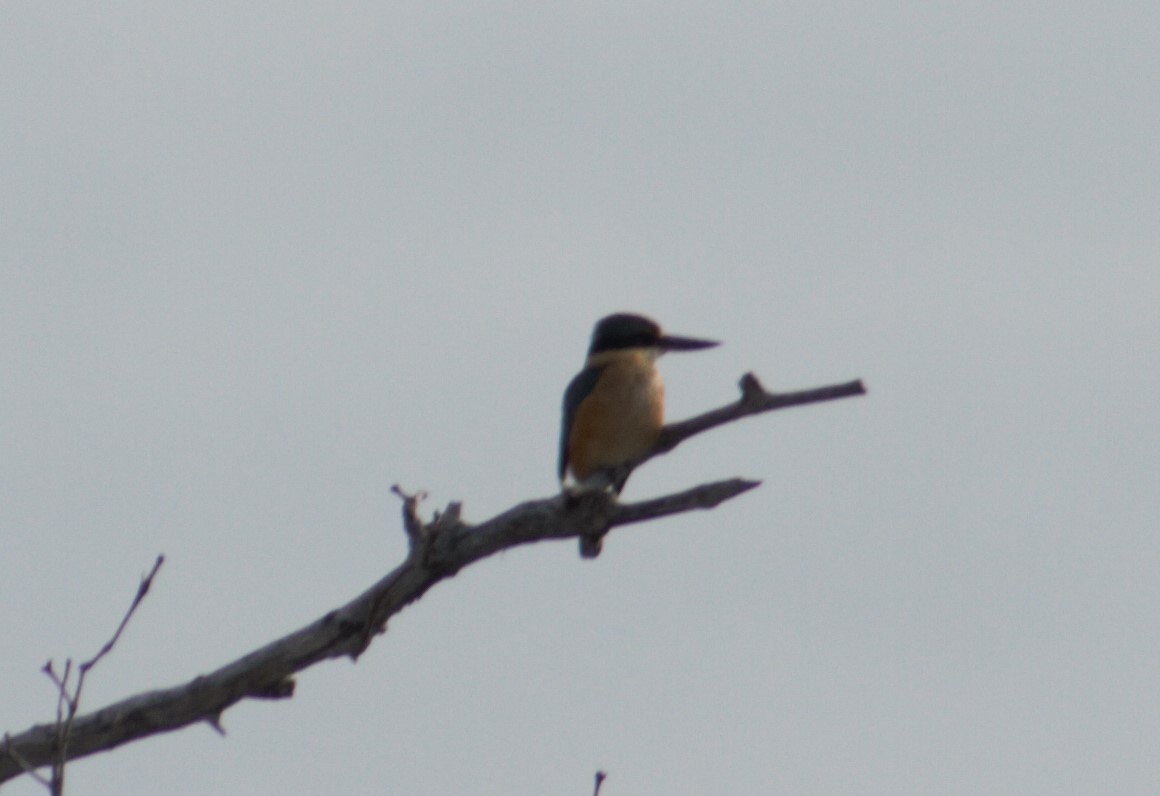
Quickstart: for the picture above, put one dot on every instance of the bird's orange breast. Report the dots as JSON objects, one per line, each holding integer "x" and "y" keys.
{"x": 619, "y": 421}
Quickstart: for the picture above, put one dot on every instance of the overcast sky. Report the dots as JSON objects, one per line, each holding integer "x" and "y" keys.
{"x": 259, "y": 261}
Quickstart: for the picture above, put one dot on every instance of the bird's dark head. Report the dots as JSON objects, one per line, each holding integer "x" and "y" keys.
{"x": 625, "y": 330}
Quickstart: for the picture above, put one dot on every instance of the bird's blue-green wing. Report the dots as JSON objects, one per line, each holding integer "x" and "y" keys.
{"x": 579, "y": 388}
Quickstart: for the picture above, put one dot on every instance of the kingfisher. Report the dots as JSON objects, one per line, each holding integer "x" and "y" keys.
{"x": 615, "y": 407}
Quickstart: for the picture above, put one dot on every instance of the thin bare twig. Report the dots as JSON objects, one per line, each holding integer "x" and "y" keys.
{"x": 68, "y": 697}
{"x": 142, "y": 590}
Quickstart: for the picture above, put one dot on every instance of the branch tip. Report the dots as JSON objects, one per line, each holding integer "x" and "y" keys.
{"x": 454, "y": 511}
{"x": 412, "y": 522}
{"x": 147, "y": 579}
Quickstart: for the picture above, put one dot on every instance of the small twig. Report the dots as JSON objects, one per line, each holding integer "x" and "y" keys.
{"x": 68, "y": 702}
{"x": 61, "y": 683}
{"x": 84, "y": 668}
{"x": 215, "y": 721}
{"x": 412, "y": 522}
{"x": 142, "y": 590}
{"x": 600, "y": 777}
{"x": 703, "y": 496}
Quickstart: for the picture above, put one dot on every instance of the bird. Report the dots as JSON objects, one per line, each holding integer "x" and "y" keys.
{"x": 614, "y": 407}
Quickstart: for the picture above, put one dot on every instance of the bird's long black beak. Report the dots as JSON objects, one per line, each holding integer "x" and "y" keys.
{"x": 671, "y": 342}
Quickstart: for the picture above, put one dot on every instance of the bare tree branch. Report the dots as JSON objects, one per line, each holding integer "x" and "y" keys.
{"x": 438, "y": 550}
{"x": 754, "y": 400}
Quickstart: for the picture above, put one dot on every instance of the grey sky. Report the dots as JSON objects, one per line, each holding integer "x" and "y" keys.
{"x": 260, "y": 261}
